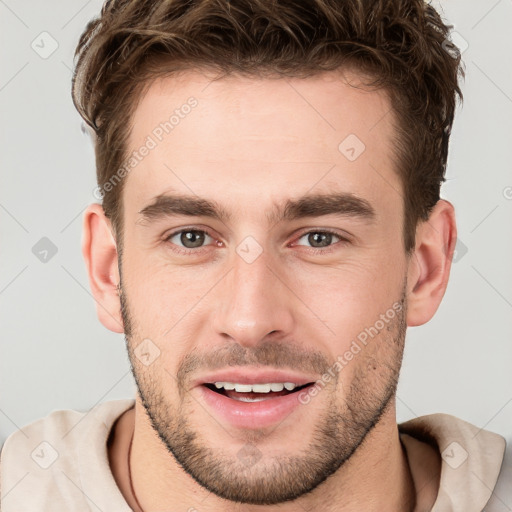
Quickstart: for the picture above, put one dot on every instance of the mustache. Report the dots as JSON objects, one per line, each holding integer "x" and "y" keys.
{"x": 274, "y": 354}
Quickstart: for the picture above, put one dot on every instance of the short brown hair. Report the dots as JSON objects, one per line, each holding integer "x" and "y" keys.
{"x": 402, "y": 45}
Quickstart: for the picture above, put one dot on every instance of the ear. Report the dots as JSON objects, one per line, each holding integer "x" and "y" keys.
{"x": 429, "y": 265}
{"x": 99, "y": 250}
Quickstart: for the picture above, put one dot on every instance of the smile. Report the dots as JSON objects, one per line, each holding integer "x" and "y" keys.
{"x": 255, "y": 392}
{"x": 253, "y": 405}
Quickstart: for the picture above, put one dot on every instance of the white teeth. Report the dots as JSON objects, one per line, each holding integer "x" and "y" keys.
{"x": 243, "y": 388}
{"x": 246, "y": 399}
{"x": 261, "y": 388}
{"x": 256, "y": 388}
{"x": 228, "y": 385}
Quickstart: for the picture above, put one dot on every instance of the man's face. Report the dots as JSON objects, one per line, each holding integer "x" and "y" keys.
{"x": 297, "y": 263}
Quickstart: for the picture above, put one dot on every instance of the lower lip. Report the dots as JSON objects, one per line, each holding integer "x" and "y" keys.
{"x": 251, "y": 415}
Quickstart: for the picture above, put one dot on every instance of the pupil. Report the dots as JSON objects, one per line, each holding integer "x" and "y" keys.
{"x": 191, "y": 239}
{"x": 320, "y": 239}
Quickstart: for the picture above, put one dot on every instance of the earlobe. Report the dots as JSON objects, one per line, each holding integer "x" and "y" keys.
{"x": 100, "y": 254}
{"x": 429, "y": 266}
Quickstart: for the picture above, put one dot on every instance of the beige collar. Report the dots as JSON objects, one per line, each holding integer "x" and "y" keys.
{"x": 471, "y": 459}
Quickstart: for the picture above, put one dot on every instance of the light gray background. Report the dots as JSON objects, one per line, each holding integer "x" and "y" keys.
{"x": 54, "y": 353}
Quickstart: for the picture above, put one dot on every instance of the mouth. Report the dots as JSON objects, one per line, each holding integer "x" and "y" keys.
{"x": 256, "y": 392}
{"x": 255, "y": 406}
{"x": 254, "y": 397}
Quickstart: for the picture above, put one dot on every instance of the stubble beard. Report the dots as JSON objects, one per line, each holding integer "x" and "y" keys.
{"x": 339, "y": 431}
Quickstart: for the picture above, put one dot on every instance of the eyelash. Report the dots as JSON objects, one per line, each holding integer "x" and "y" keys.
{"x": 313, "y": 250}
{"x": 326, "y": 250}
{"x": 184, "y": 250}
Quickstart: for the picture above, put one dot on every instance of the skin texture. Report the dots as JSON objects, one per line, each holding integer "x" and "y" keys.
{"x": 249, "y": 145}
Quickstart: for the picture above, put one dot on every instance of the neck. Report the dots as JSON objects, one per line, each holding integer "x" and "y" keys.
{"x": 376, "y": 478}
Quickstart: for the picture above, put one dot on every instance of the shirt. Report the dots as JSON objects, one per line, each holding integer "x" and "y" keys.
{"x": 60, "y": 462}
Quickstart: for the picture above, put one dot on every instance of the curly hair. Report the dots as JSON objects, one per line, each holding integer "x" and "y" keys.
{"x": 400, "y": 46}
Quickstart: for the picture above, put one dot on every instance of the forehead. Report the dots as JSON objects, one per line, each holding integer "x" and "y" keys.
{"x": 248, "y": 133}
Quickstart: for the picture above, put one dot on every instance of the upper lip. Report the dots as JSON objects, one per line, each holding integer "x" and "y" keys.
{"x": 248, "y": 375}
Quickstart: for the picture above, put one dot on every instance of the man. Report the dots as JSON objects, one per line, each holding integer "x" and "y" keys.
{"x": 270, "y": 225}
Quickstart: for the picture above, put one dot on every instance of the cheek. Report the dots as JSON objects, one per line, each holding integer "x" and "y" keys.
{"x": 161, "y": 296}
{"x": 163, "y": 306}
{"x": 349, "y": 297}
{"x": 175, "y": 308}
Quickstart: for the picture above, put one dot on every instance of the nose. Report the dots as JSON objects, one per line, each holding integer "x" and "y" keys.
{"x": 253, "y": 302}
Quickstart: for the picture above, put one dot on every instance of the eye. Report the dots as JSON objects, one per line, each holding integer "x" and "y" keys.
{"x": 319, "y": 239}
{"x": 190, "y": 238}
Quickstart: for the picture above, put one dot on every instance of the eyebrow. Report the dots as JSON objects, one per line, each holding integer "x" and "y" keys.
{"x": 311, "y": 205}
